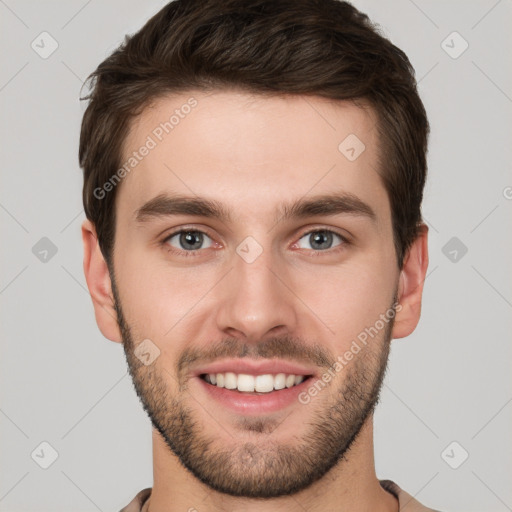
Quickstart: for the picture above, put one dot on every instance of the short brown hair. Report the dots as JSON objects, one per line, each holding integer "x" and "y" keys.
{"x": 325, "y": 48}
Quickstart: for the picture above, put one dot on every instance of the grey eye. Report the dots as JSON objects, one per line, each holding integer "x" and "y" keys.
{"x": 189, "y": 240}
{"x": 319, "y": 240}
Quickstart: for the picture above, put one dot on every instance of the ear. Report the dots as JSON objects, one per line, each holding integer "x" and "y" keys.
{"x": 410, "y": 286}
{"x": 99, "y": 284}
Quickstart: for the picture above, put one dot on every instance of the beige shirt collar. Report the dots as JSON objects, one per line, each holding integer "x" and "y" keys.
{"x": 405, "y": 501}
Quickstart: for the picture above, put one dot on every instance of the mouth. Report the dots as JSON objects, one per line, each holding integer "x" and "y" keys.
{"x": 253, "y": 387}
{"x": 253, "y": 384}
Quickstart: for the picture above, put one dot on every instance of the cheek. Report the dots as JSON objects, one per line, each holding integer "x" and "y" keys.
{"x": 347, "y": 298}
{"x": 156, "y": 296}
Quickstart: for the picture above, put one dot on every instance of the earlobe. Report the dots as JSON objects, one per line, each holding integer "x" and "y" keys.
{"x": 410, "y": 289}
{"x": 99, "y": 284}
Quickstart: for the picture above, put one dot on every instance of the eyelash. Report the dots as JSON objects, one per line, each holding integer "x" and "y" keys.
{"x": 196, "y": 253}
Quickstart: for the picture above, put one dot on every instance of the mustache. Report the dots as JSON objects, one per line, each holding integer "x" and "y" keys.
{"x": 284, "y": 347}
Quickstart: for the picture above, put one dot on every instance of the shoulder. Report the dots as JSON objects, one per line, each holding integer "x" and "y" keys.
{"x": 404, "y": 499}
{"x": 138, "y": 502}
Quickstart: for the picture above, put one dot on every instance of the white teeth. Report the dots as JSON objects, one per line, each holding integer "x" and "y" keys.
{"x": 280, "y": 381}
{"x": 264, "y": 383}
{"x": 230, "y": 380}
{"x": 245, "y": 382}
{"x": 250, "y": 383}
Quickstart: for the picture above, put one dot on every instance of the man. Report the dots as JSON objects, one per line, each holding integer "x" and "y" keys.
{"x": 253, "y": 178}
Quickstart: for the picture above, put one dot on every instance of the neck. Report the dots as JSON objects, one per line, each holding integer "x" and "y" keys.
{"x": 351, "y": 485}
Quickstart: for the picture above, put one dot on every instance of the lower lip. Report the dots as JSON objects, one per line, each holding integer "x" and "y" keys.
{"x": 245, "y": 403}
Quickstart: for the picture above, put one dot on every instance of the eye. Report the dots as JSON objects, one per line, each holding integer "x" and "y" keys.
{"x": 320, "y": 240}
{"x": 189, "y": 240}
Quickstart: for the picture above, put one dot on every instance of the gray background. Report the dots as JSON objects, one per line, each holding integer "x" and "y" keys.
{"x": 63, "y": 383}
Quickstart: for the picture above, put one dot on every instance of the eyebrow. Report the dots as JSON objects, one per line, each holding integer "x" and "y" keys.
{"x": 322, "y": 205}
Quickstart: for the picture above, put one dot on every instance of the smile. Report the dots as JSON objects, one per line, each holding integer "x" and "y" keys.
{"x": 254, "y": 384}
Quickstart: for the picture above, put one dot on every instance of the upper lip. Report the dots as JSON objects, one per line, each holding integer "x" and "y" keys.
{"x": 255, "y": 367}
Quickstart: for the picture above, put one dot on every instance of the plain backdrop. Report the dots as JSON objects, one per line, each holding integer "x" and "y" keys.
{"x": 446, "y": 401}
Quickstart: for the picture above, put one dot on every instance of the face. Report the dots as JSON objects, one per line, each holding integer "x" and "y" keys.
{"x": 254, "y": 252}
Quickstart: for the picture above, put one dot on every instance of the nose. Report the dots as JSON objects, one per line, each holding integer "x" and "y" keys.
{"x": 256, "y": 300}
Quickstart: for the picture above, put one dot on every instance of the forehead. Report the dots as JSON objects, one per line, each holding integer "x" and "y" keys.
{"x": 251, "y": 151}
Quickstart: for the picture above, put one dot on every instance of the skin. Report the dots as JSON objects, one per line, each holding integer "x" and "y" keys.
{"x": 253, "y": 154}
